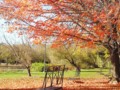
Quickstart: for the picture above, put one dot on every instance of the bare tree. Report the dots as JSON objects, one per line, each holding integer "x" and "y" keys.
{"x": 22, "y": 52}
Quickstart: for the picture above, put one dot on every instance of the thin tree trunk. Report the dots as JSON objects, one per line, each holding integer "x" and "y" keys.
{"x": 29, "y": 71}
{"x": 78, "y": 71}
{"x": 72, "y": 62}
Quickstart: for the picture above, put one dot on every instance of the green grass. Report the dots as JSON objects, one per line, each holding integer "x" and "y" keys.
{"x": 85, "y": 73}
{"x": 19, "y": 74}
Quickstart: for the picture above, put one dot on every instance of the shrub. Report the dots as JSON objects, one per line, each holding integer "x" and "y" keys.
{"x": 37, "y": 67}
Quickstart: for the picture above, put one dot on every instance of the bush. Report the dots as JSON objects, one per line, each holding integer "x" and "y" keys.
{"x": 37, "y": 67}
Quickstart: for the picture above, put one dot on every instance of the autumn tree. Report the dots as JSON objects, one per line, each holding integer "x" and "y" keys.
{"x": 76, "y": 56}
{"x": 22, "y": 53}
{"x": 90, "y": 22}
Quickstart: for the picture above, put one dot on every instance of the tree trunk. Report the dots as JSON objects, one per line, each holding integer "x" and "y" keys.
{"x": 115, "y": 65}
{"x": 29, "y": 71}
{"x": 77, "y": 71}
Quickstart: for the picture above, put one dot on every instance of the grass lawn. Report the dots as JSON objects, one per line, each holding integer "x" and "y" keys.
{"x": 88, "y": 73}
{"x": 85, "y": 73}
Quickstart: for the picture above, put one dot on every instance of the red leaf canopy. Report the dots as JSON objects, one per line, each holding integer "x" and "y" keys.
{"x": 89, "y": 22}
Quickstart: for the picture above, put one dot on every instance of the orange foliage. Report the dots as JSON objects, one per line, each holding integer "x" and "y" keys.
{"x": 36, "y": 41}
{"x": 88, "y": 21}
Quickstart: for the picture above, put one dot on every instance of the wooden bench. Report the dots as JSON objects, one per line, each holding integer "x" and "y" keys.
{"x": 53, "y": 79}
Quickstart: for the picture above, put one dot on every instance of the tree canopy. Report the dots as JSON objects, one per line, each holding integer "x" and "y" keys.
{"x": 88, "y": 21}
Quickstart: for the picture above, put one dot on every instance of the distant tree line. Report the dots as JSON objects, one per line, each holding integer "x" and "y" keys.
{"x": 72, "y": 56}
